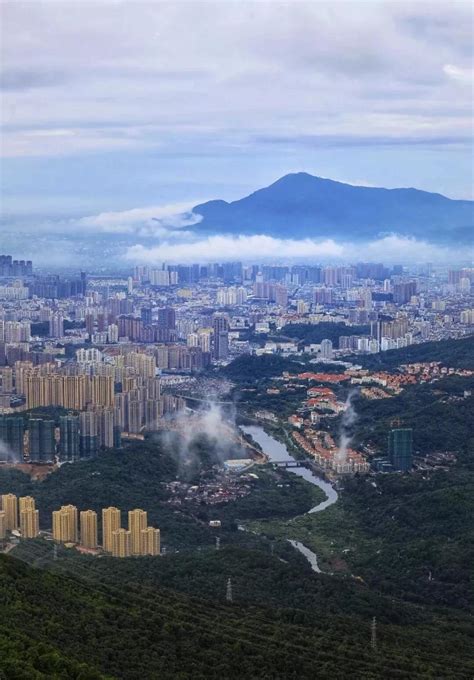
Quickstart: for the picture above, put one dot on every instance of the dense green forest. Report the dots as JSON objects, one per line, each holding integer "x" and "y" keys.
{"x": 283, "y": 404}
{"x": 125, "y": 628}
{"x": 314, "y": 333}
{"x": 250, "y": 368}
{"x": 416, "y": 583}
{"x": 442, "y": 419}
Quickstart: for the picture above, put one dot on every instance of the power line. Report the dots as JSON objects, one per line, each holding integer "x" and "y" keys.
{"x": 228, "y": 592}
{"x": 373, "y": 634}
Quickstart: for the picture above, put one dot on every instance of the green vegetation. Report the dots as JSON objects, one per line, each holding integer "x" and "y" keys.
{"x": 41, "y": 328}
{"x": 440, "y": 418}
{"x": 283, "y": 404}
{"x": 398, "y": 547}
{"x": 453, "y": 353}
{"x": 136, "y": 477}
{"x": 250, "y": 368}
{"x": 429, "y": 554}
{"x": 132, "y": 631}
{"x": 276, "y": 493}
{"x": 46, "y": 412}
{"x": 315, "y": 333}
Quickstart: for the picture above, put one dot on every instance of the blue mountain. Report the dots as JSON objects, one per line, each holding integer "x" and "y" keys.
{"x": 303, "y": 206}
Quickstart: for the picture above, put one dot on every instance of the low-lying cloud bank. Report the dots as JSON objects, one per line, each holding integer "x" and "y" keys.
{"x": 157, "y": 221}
{"x": 171, "y": 233}
{"x": 260, "y": 247}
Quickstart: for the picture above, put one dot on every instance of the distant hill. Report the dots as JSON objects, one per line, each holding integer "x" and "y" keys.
{"x": 303, "y": 206}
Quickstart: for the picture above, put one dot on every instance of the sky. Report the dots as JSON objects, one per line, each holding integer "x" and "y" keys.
{"x": 137, "y": 108}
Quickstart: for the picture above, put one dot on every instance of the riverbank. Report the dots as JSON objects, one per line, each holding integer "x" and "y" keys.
{"x": 276, "y": 451}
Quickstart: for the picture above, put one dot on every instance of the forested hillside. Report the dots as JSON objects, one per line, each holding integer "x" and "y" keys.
{"x": 52, "y": 624}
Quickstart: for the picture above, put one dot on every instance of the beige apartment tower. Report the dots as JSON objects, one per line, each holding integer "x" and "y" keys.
{"x": 110, "y": 522}
{"x": 137, "y": 522}
{"x": 88, "y": 521}
{"x": 29, "y": 523}
{"x": 150, "y": 541}
{"x": 10, "y": 508}
{"x": 65, "y": 524}
{"x": 121, "y": 542}
{"x": 26, "y": 503}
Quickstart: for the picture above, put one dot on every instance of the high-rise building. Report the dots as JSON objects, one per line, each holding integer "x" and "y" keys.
{"x": 89, "y": 436}
{"x": 330, "y": 276}
{"x": 121, "y": 543}
{"x": 11, "y": 435}
{"x": 326, "y": 349}
{"x": 6, "y": 380}
{"x": 402, "y": 292}
{"x": 167, "y": 318}
{"x": 56, "y": 325}
{"x": 135, "y": 416}
{"x": 221, "y": 336}
{"x": 112, "y": 333}
{"x": 26, "y": 503}
{"x": 280, "y": 295}
{"x": 102, "y": 390}
{"x": 137, "y": 522}
{"x": 150, "y": 541}
{"x": 205, "y": 339}
{"x": 42, "y": 440}
{"x": 88, "y": 521}
{"x": 3, "y": 525}
{"x": 69, "y": 437}
{"x": 146, "y": 315}
{"x": 10, "y": 508}
{"x": 65, "y": 524}
{"x": 323, "y": 296}
{"x": 110, "y": 523}
{"x": 105, "y": 427}
{"x": 152, "y": 408}
{"x": 29, "y": 522}
{"x": 400, "y": 448}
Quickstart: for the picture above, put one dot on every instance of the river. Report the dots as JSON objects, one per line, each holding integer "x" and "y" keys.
{"x": 277, "y": 451}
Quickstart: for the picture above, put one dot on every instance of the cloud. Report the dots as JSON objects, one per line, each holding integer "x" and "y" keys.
{"x": 259, "y": 248}
{"x": 463, "y": 74}
{"x": 151, "y": 221}
{"x": 375, "y": 141}
{"x": 111, "y": 103}
{"x": 237, "y": 72}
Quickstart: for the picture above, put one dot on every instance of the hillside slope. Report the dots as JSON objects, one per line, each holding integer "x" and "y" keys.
{"x": 303, "y": 206}
{"x": 51, "y": 624}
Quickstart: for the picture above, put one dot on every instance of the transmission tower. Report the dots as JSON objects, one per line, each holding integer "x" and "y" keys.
{"x": 218, "y": 542}
{"x": 55, "y": 552}
{"x": 228, "y": 593}
{"x": 373, "y": 634}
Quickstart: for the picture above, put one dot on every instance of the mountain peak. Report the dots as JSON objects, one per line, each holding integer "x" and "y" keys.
{"x": 300, "y": 205}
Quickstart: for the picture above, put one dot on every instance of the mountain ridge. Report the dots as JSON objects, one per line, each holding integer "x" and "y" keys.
{"x": 306, "y": 206}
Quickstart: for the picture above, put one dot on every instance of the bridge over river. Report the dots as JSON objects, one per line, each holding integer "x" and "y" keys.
{"x": 291, "y": 463}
